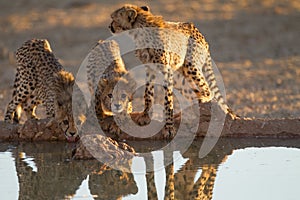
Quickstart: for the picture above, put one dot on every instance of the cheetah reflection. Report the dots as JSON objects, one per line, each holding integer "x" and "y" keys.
{"x": 182, "y": 184}
{"x": 59, "y": 177}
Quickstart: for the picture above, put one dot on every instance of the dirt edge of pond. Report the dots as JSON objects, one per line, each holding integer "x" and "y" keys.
{"x": 34, "y": 130}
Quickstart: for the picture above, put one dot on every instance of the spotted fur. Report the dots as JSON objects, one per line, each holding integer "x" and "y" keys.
{"x": 41, "y": 79}
{"x": 111, "y": 84}
{"x": 195, "y": 65}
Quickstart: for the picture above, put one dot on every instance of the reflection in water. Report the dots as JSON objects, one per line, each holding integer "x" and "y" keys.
{"x": 28, "y": 160}
{"x": 45, "y": 171}
{"x": 9, "y": 186}
{"x": 83, "y": 191}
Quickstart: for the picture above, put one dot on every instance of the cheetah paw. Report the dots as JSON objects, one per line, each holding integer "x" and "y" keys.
{"x": 168, "y": 132}
{"x": 141, "y": 119}
{"x": 114, "y": 129}
{"x": 109, "y": 126}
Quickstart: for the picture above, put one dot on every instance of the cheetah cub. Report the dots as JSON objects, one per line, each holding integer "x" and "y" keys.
{"x": 41, "y": 79}
{"x": 111, "y": 85}
{"x": 195, "y": 63}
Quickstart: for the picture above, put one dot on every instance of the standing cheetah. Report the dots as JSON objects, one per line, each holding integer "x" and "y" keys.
{"x": 195, "y": 66}
{"x": 41, "y": 79}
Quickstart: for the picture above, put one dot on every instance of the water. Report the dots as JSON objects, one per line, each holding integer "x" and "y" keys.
{"x": 236, "y": 169}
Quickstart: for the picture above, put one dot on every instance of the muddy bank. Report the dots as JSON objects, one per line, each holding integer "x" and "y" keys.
{"x": 31, "y": 130}
{"x": 34, "y": 130}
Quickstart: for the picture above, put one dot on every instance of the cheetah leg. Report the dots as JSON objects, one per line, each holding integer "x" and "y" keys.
{"x": 149, "y": 90}
{"x": 151, "y": 189}
{"x": 150, "y": 177}
{"x": 49, "y": 102}
{"x": 10, "y": 111}
{"x": 17, "y": 115}
{"x": 170, "y": 185}
{"x": 209, "y": 75}
{"x": 30, "y": 111}
{"x": 50, "y": 113}
{"x": 203, "y": 188}
{"x": 168, "y": 130}
{"x": 30, "y": 107}
{"x": 186, "y": 175}
{"x": 14, "y": 108}
{"x": 144, "y": 118}
{"x": 12, "y": 114}
{"x": 20, "y": 96}
{"x": 197, "y": 82}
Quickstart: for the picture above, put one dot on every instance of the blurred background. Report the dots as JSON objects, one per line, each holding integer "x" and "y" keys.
{"x": 255, "y": 44}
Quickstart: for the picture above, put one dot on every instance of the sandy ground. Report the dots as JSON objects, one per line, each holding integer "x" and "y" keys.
{"x": 255, "y": 44}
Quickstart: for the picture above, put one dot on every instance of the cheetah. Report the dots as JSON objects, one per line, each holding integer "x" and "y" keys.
{"x": 195, "y": 66}
{"x": 110, "y": 84}
{"x": 41, "y": 79}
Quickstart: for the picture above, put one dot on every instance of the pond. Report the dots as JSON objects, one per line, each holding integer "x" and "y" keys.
{"x": 236, "y": 169}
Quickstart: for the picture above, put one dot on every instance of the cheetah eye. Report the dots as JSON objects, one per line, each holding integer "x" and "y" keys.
{"x": 110, "y": 95}
{"x": 123, "y": 96}
{"x": 145, "y": 8}
{"x": 59, "y": 103}
{"x": 65, "y": 122}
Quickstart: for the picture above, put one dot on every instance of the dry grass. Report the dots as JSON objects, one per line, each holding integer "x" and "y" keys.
{"x": 255, "y": 44}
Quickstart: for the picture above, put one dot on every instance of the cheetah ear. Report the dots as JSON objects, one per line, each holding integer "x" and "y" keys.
{"x": 63, "y": 81}
{"x": 145, "y": 8}
{"x": 131, "y": 13}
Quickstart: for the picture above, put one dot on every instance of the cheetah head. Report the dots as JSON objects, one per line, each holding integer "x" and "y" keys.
{"x": 63, "y": 88}
{"x": 116, "y": 96}
{"x": 125, "y": 18}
